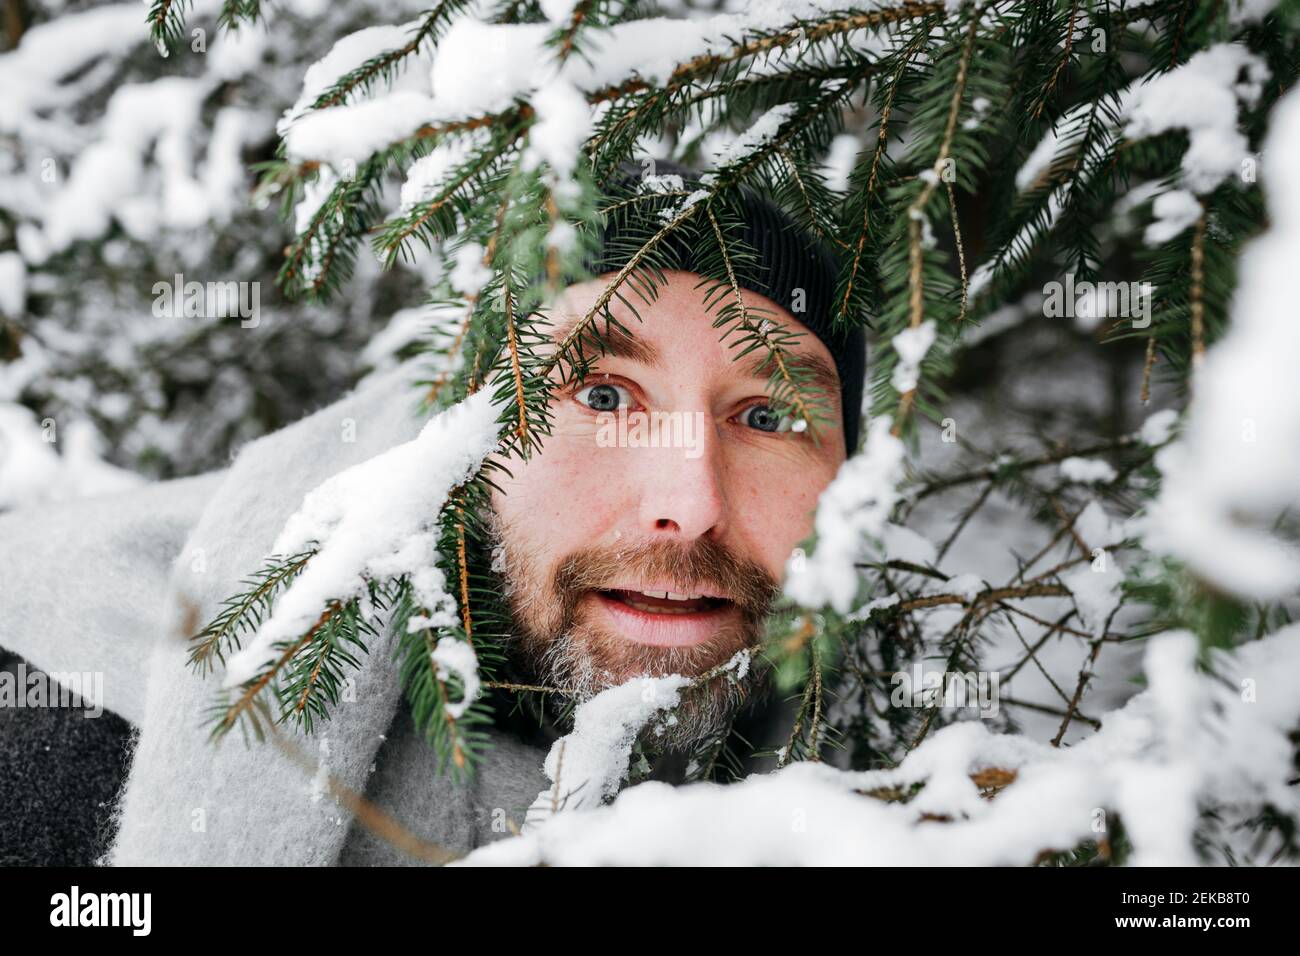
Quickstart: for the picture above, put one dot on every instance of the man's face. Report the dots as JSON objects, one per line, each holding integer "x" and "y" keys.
{"x": 622, "y": 559}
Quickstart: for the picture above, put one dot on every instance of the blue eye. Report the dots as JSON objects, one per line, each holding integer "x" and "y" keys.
{"x": 604, "y": 397}
{"x": 763, "y": 418}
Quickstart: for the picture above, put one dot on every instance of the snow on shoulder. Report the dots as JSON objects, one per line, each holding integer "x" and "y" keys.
{"x": 376, "y": 519}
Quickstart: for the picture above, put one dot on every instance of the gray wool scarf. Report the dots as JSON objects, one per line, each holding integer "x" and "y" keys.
{"x": 115, "y": 584}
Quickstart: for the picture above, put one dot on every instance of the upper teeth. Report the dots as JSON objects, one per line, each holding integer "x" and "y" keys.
{"x": 672, "y": 596}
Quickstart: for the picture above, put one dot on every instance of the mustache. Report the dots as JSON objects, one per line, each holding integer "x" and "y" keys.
{"x": 702, "y": 565}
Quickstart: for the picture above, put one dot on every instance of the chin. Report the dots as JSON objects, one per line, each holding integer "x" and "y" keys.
{"x": 589, "y": 659}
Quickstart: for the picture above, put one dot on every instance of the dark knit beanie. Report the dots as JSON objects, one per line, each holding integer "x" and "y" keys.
{"x": 792, "y": 267}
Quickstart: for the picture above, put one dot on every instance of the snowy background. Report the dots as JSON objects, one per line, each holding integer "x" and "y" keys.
{"x": 121, "y": 168}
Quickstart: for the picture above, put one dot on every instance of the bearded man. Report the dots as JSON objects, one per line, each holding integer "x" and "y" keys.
{"x": 618, "y": 558}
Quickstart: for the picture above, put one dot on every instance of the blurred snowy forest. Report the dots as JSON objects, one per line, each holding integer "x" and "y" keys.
{"x": 120, "y": 168}
{"x": 123, "y": 167}
{"x": 1063, "y": 519}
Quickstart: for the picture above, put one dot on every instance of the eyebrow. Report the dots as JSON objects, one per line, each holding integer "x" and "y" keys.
{"x": 620, "y": 344}
{"x": 614, "y": 342}
{"x": 823, "y": 375}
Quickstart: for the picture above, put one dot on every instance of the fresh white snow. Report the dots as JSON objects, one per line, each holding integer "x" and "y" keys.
{"x": 377, "y": 519}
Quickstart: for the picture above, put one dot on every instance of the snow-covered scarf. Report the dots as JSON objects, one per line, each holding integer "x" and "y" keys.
{"x": 117, "y": 584}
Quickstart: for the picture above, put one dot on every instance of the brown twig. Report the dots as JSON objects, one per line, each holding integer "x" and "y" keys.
{"x": 881, "y": 138}
{"x": 374, "y": 819}
{"x": 775, "y": 351}
{"x": 463, "y": 568}
{"x": 1060, "y": 65}
{"x": 961, "y": 252}
{"x": 1197, "y": 293}
{"x": 1147, "y": 365}
{"x": 1048, "y": 458}
{"x": 516, "y": 367}
{"x": 253, "y": 688}
{"x": 916, "y": 211}
{"x": 1085, "y": 674}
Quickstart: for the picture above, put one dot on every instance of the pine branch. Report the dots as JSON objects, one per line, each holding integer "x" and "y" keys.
{"x": 653, "y": 101}
{"x": 249, "y": 692}
{"x": 244, "y": 613}
{"x": 167, "y": 22}
{"x": 916, "y": 211}
{"x": 436, "y": 218}
{"x": 569, "y": 351}
{"x": 789, "y": 377}
{"x": 235, "y": 12}
{"x": 866, "y": 194}
{"x": 384, "y": 66}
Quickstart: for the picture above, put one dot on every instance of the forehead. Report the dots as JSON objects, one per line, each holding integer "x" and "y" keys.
{"x": 676, "y": 327}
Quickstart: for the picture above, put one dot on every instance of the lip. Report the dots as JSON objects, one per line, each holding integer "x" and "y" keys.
{"x": 704, "y": 590}
{"x": 663, "y": 630}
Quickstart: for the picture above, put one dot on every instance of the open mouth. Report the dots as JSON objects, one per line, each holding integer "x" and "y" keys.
{"x": 664, "y": 602}
{"x": 665, "y": 618}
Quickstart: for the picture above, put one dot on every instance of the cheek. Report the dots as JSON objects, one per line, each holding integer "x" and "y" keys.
{"x": 565, "y": 497}
{"x": 773, "y": 513}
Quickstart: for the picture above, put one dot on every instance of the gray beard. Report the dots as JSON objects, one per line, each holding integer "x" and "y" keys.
{"x": 704, "y": 713}
{"x": 563, "y": 661}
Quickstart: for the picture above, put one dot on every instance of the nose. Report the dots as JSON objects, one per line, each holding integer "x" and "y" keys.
{"x": 682, "y": 495}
